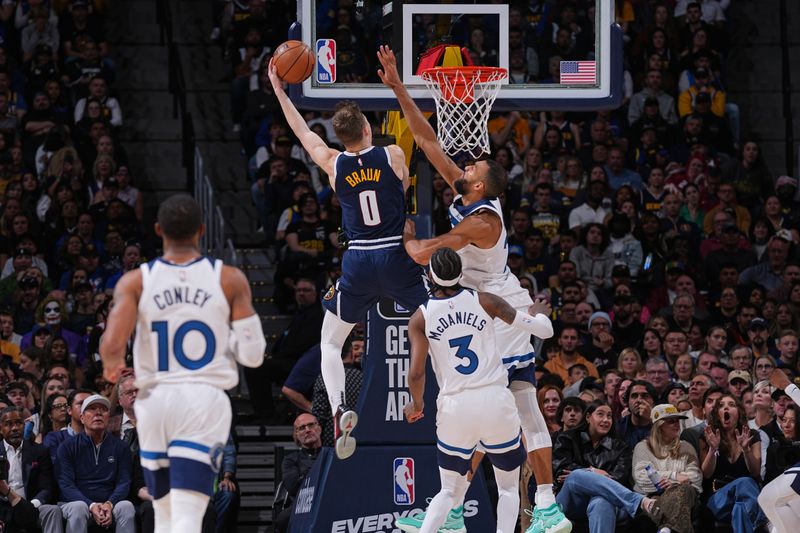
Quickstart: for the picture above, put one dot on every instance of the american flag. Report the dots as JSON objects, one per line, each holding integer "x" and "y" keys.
{"x": 578, "y": 72}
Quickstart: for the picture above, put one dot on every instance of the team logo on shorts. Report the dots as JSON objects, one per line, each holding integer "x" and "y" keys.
{"x": 329, "y": 295}
{"x": 215, "y": 454}
{"x": 403, "y": 481}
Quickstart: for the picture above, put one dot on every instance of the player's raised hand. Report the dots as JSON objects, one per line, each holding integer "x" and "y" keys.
{"x": 277, "y": 82}
{"x": 388, "y": 75}
{"x": 778, "y": 379}
{"x": 413, "y": 412}
{"x": 540, "y": 306}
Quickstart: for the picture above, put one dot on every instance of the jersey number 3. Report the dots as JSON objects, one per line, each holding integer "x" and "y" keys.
{"x": 369, "y": 208}
{"x": 463, "y": 351}
{"x": 161, "y": 329}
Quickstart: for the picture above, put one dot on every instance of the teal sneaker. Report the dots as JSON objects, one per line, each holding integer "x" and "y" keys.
{"x": 454, "y": 523}
{"x": 548, "y": 520}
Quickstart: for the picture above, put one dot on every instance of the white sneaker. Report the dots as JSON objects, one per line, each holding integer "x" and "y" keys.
{"x": 343, "y": 425}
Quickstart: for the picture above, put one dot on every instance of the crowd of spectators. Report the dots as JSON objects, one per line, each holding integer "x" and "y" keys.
{"x": 669, "y": 251}
{"x": 70, "y": 226}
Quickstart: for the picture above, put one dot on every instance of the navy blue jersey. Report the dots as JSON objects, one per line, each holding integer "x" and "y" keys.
{"x": 371, "y": 195}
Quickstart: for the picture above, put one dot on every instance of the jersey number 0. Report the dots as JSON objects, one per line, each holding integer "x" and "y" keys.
{"x": 369, "y": 208}
{"x": 161, "y": 329}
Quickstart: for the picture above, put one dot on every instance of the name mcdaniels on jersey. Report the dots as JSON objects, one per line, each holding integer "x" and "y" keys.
{"x": 457, "y": 318}
{"x": 181, "y": 295}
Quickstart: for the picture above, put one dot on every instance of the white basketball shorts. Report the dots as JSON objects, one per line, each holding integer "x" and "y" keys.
{"x": 182, "y": 430}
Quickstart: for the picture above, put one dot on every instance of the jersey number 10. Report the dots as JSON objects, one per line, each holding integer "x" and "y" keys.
{"x": 161, "y": 329}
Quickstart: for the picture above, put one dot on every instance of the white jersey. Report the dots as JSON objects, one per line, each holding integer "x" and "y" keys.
{"x": 183, "y": 326}
{"x": 462, "y": 344}
{"x": 485, "y": 269}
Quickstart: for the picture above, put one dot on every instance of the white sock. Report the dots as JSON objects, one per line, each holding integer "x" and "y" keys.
{"x": 188, "y": 509}
{"x": 162, "y": 512}
{"x": 544, "y": 496}
{"x": 454, "y": 487}
{"x": 334, "y": 334}
{"x": 508, "y": 499}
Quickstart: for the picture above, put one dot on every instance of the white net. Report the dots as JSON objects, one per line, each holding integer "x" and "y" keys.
{"x": 464, "y": 98}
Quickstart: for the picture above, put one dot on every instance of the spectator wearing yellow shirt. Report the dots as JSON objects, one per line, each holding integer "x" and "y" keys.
{"x": 511, "y": 128}
{"x": 686, "y": 100}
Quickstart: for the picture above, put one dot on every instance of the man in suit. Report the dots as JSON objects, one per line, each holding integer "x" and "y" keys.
{"x": 28, "y": 486}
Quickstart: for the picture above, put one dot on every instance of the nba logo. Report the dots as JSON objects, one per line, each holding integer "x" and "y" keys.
{"x": 326, "y": 61}
{"x": 403, "y": 481}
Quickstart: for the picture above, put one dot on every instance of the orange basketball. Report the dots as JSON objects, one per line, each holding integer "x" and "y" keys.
{"x": 294, "y": 61}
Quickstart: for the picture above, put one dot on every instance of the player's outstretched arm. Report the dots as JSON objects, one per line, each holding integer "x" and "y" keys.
{"x": 539, "y": 324}
{"x": 480, "y": 229}
{"x": 423, "y": 132}
{"x": 248, "y": 343}
{"x": 120, "y": 324}
{"x": 320, "y": 153}
{"x": 416, "y": 370}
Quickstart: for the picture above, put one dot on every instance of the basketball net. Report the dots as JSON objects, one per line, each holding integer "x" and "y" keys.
{"x": 464, "y": 98}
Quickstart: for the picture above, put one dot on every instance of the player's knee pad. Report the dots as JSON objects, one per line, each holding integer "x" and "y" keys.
{"x": 453, "y": 463}
{"x": 334, "y": 329}
{"x": 508, "y": 460}
{"x": 534, "y": 426}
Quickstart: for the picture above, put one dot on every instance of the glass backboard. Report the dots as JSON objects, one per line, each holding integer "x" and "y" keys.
{"x": 560, "y": 55}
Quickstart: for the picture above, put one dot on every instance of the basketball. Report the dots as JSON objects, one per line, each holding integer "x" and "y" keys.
{"x": 294, "y": 61}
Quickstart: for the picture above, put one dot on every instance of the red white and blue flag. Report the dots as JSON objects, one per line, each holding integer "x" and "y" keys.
{"x": 578, "y": 72}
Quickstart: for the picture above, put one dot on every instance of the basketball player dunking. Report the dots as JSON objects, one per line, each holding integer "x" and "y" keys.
{"x": 479, "y": 237}
{"x": 370, "y": 183}
{"x": 194, "y": 320}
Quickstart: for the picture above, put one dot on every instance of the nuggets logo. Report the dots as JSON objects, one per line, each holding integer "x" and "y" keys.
{"x": 403, "y": 481}
{"x": 330, "y": 294}
{"x": 326, "y": 61}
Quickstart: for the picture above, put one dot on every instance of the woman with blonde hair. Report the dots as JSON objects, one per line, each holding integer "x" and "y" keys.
{"x": 762, "y": 368}
{"x": 531, "y": 166}
{"x": 104, "y": 167}
{"x": 674, "y": 467}
{"x": 64, "y": 163}
{"x": 629, "y": 363}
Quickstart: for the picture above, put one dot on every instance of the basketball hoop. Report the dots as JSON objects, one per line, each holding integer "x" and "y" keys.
{"x": 464, "y": 98}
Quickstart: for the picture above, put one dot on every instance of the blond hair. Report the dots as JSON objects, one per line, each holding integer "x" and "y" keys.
{"x": 658, "y": 447}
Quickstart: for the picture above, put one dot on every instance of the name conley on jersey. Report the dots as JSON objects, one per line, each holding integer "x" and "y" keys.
{"x": 181, "y": 295}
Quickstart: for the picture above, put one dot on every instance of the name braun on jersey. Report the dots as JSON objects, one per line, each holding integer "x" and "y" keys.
{"x": 181, "y": 295}
{"x": 468, "y": 319}
{"x": 362, "y": 175}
